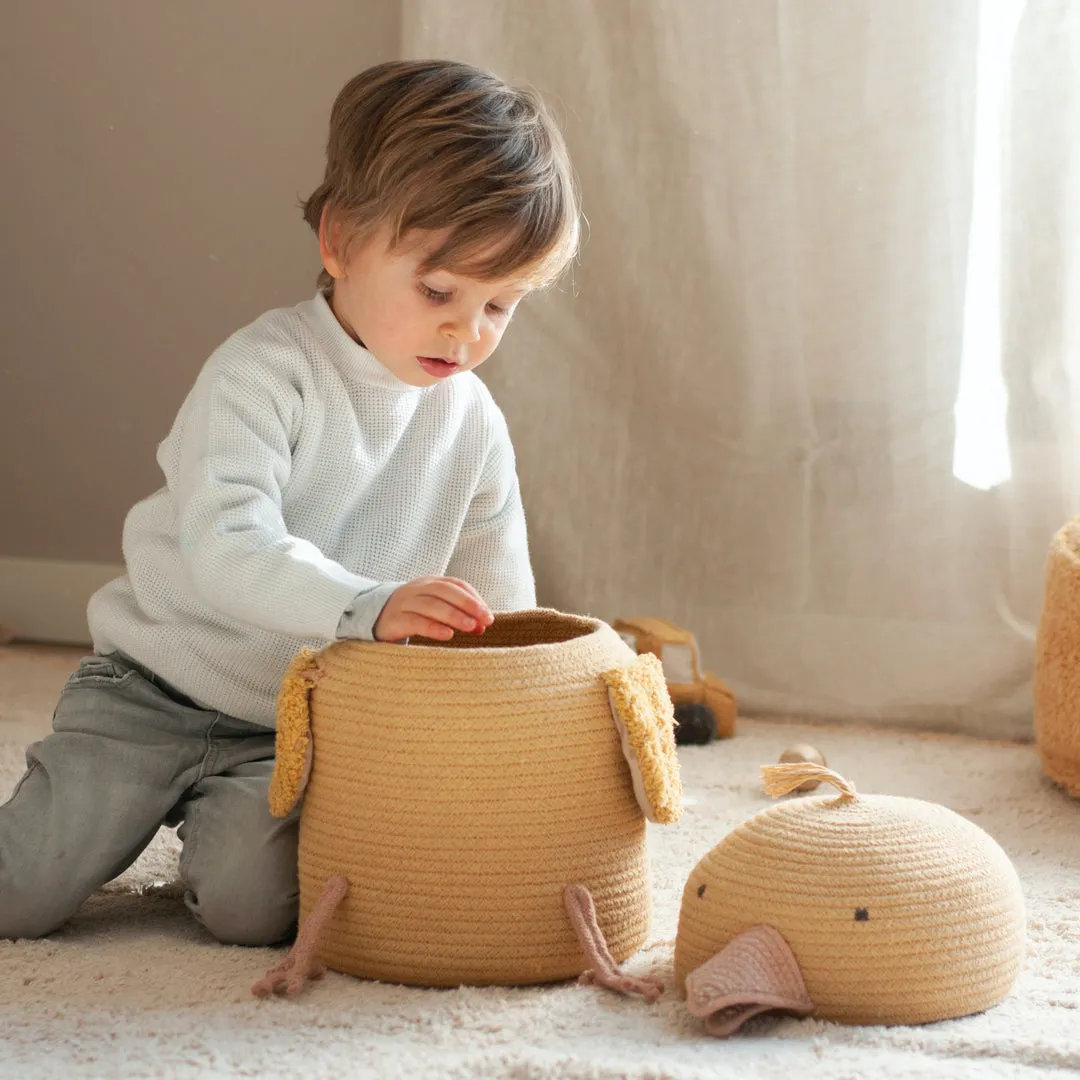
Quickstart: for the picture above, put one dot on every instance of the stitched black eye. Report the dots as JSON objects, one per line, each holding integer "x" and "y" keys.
{"x": 862, "y": 915}
{"x": 701, "y": 891}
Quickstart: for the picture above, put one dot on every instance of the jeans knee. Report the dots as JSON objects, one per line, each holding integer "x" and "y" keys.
{"x": 239, "y": 864}
{"x": 24, "y": 914}
{"x": 240, "y": 913}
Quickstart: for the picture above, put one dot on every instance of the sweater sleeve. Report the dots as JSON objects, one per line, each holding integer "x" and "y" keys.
{"x": 492, "y": 552}
{"x": 227, "y": 461}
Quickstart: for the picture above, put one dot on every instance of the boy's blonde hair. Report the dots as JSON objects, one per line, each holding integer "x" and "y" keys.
{"x": 436, "y": 144}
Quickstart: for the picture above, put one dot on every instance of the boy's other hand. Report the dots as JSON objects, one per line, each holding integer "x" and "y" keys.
{"x": 432, "y": 607}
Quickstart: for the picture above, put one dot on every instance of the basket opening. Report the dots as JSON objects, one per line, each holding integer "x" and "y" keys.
{"x": 518, "y": 629}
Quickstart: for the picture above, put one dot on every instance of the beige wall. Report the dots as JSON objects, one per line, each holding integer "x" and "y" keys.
{"x": 153, "y": 155}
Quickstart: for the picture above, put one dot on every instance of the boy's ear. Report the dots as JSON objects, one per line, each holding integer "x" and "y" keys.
{"x": 330, "y": 243}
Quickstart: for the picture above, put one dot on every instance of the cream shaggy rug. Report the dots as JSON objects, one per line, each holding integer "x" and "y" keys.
{"x": 134, "y": 988}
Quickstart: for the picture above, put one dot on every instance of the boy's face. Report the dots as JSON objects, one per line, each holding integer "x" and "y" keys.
{"x": 423, "y": 328}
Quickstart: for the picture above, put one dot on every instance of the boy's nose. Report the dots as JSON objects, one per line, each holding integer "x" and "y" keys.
{"x": 463, "y": 331}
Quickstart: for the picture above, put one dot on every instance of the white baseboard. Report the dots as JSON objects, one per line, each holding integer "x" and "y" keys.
{"x": 45, "y": 599}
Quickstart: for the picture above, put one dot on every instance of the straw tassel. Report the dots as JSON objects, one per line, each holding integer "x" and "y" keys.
{"x": 780, "y": 780}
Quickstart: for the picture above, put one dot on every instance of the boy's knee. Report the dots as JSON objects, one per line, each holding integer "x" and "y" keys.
{"x": 239, "y": 863}
{"x": 25, "y": 913}
{"x": 241, "y": 913}
{"x": 25, "y": 926}
{"x": 244, "y": 893}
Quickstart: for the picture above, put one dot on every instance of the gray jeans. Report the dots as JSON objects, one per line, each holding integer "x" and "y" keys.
{"x": 128, "y": 754}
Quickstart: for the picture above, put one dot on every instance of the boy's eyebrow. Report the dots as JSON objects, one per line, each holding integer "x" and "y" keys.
{"x": 515, "y": 289}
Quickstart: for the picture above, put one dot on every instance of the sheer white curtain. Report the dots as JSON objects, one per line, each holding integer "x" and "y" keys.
{"x": 811, "y": 389}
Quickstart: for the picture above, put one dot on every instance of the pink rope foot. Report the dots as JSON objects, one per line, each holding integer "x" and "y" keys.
{"x": 650, "y": 989}
{"x": 288, "y": 977}
{"x": 603, "y": 970}
{"x": 300, "y": 966}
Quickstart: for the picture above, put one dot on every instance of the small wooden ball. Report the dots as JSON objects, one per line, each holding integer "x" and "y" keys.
{"x": 803, "y": 752}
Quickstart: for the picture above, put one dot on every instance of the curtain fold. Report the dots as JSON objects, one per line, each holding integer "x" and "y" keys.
{"x": 739, "y": 411}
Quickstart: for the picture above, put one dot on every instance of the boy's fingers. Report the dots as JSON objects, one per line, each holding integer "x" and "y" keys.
{"x": 451, "y": 592}
{"x": 432, "y": 629}
{"x": 481, "y": 609}
{"x": 442, "y": 611}
{"x": 468, "y": 588}
{"x": 410, "y": 625}
{"x": 456, "y": 591}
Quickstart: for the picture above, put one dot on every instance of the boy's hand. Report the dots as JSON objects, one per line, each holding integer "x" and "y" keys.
{"x": 433, "y": 607}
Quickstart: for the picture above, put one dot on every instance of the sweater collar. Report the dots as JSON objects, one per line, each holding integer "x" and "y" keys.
{"x": 350, "y": 357}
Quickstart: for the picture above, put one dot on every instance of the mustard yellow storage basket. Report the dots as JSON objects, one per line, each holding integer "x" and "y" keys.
{"x": 1057, "y": 663}
{"x": 460, "y": 787}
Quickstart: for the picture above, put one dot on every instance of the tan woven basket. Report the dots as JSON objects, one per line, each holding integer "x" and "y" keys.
{"x": 1057, "y": 663}
{"x": 460, "y": 788}
{"x": 896, "y": 911}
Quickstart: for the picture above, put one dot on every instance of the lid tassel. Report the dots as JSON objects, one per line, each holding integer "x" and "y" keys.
{"x": 780, "y": 780}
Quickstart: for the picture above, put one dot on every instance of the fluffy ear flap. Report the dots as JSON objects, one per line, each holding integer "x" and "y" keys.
{"x": 293, "y": 748}
{"x": 645, "y": 718}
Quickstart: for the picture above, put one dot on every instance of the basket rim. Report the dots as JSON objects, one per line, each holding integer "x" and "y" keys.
{"x": 592, "y": 629}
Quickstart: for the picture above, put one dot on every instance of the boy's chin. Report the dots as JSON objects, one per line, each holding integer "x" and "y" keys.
{"x": 416, "y": 376}
{"x": 412, "y": 374}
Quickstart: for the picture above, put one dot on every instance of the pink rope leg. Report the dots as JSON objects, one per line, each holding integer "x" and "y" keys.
{"x": 300, "y": 965}
{"x": 603, "y": 970}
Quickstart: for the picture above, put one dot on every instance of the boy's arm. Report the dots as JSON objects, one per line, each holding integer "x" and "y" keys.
{"x": 492, "y": 552}
{"x": 231, "y": 457}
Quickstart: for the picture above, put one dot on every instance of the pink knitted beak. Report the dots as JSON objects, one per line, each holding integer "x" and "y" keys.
{"x": 755, "y": 972}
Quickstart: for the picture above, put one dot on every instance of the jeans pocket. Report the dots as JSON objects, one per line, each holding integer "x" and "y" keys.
{"x": 100, "y": 671}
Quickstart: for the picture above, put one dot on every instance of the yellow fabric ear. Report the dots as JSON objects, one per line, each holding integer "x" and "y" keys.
{"x": 645, "y": 717}
{"x": 292, "y": 745}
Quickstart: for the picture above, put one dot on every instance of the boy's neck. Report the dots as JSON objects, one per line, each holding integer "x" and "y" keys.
{"x": 329, "y": 294}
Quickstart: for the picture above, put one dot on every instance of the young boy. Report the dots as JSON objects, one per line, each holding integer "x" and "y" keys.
{"x": 336, "y": 472}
